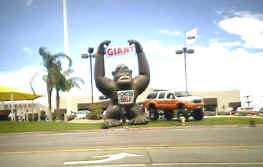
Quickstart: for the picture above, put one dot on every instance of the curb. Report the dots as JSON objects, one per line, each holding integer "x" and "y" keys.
{"x": 134, "y": 129}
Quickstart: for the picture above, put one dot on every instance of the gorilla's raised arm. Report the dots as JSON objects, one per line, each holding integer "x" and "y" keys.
{"x": 142, "y": 80}
{"x": 105, "y": 85}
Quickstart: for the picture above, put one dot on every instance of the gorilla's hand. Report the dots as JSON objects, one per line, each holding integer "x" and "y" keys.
{"x": 138, "y": 46}
{"x": 132, "y": 41}
{"x": 101, "y": 48}
{"x": 105, "y": 42}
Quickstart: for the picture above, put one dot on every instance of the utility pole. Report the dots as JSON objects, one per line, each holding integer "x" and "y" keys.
{"x": 248, "y": 101}
{"x": 184, "y": 51}
{"x": 90, "y": 55}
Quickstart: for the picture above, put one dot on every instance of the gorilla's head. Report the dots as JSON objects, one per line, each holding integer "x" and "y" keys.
{"x": 122, "y": 75}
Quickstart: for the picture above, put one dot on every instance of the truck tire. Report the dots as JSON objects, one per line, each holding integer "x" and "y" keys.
{"x": 198, "y": 114}
{"x": 180, "y": 113}
{"x": 153, "y": 114}
{"x": 169, "y": 115}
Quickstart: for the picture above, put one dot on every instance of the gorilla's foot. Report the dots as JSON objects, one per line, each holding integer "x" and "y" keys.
{"x": 111, "y": 123}
{"x": 140, "y": 119}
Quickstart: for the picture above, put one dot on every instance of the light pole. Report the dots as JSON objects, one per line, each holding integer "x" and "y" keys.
{"x": 85, "y": 56}
{"x": 189, "y": 51}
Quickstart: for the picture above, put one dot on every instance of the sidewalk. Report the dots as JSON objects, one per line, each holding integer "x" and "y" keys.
{"x": 234, "y": 116}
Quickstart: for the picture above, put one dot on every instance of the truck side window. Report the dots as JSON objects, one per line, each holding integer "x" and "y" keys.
{"x": 170, "y": 96}
{"x": 161, "y": 95}
{"x": 152, "y": 96}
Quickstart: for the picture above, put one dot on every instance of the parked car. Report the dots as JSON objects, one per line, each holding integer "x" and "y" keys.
{"x": 103, "y": 114}
{"x": 82, "y": 114}
{"x": 168, "y": 100}
{"x": 252, "y": 112}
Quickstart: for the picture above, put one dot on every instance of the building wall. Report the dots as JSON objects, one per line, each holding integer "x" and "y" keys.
{"x": 223, "y": 97}
{"x": 71, "y": 102}
{"x": 22, "y": 108}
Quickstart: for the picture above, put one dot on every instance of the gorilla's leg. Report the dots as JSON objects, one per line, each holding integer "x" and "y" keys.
{"x": 138, "y": 116}
{"x": 113, "y": 116}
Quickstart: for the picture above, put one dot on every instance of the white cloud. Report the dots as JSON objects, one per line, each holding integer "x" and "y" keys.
{"x": 214, "y": 42}
{"x": 246, "y": 25}
{"x": 28, "y": 50}
{"x": 172, "y": 32}
{"x": 21, "y": 80}
{"x": 212, "y": 67}
{"x": 217, "y": 66}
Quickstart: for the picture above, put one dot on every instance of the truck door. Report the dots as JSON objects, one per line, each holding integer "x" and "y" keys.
{"x": 172, "y": 100}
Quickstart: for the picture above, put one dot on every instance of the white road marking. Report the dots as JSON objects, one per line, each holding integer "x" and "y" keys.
{"x": 115, "y": 165}
{"x": 175, "y": 164}
{"x": 209, "y": 163}
{"x": 109, "y": 158}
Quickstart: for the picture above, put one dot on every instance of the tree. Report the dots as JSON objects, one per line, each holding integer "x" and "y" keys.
{"x": 51, "y": 64}
{"x": 32, "y": 79}
{"x": 65, "y": 84}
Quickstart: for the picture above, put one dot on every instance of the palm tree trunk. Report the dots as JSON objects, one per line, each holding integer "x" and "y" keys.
{"x": 49, "y": 92}
{"x": 58, "y": 116}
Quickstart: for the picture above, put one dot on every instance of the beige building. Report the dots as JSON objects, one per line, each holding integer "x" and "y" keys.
{"x": 214, "y": 100}
{"x": 76, "y": 103}
{"x": 71, "y": 103}
{"x": 223, "y": 100}
{"x": 21, "y": 110}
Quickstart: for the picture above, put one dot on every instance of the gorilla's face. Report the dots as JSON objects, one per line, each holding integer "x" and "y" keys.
{"x": 122, "y": 76}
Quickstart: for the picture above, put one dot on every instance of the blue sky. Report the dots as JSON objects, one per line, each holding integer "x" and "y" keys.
{"x": 228, "y": 50}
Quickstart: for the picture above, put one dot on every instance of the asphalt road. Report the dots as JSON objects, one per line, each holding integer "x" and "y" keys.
{"x": 187, "y": 147}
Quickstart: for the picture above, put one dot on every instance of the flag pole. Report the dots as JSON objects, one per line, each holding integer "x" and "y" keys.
{"x": 185, "y": 71}
{"x": 190, "y": 36}
{"x": 66, "y": 50}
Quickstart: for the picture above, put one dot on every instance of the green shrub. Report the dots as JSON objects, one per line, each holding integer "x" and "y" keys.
{"x": 242, "y": 113}
{"x": 223, "y": 113}
{"x": 30, "y": 116}
{"x": 70, "y": 117}
{"x": 95, "y": 114}
{"x": 53, "y": 115}
{"x": 104, "y": 126}
{"x": 209, "y": 113}
{"x": 260, "y": 114}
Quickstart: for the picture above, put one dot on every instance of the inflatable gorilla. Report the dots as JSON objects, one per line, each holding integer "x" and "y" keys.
{"x": 123, "y": 83}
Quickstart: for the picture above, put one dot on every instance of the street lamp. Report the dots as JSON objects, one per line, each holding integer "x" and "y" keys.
{"x": 189, "y": 51}
{"x": 85, "y": 56}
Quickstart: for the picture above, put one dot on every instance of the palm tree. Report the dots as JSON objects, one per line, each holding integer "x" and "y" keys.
{"x": 65, "y": 84}
{"x": 32, "y": 79}
{"x": 51, "y": 64}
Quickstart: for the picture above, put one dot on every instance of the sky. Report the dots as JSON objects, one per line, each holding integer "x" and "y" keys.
{"x": 228, "y": 50}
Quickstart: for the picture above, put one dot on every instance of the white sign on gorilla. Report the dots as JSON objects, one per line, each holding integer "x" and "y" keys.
{"x": 125, "y": 97}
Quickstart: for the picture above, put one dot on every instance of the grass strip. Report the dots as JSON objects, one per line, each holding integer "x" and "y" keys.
{"x": 8, "y": 126}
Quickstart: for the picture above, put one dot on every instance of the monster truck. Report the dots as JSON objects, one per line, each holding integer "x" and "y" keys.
{"x": 165, "y": 101}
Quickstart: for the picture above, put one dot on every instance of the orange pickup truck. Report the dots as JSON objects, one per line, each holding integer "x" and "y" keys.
{"x": 164, "y": 102}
